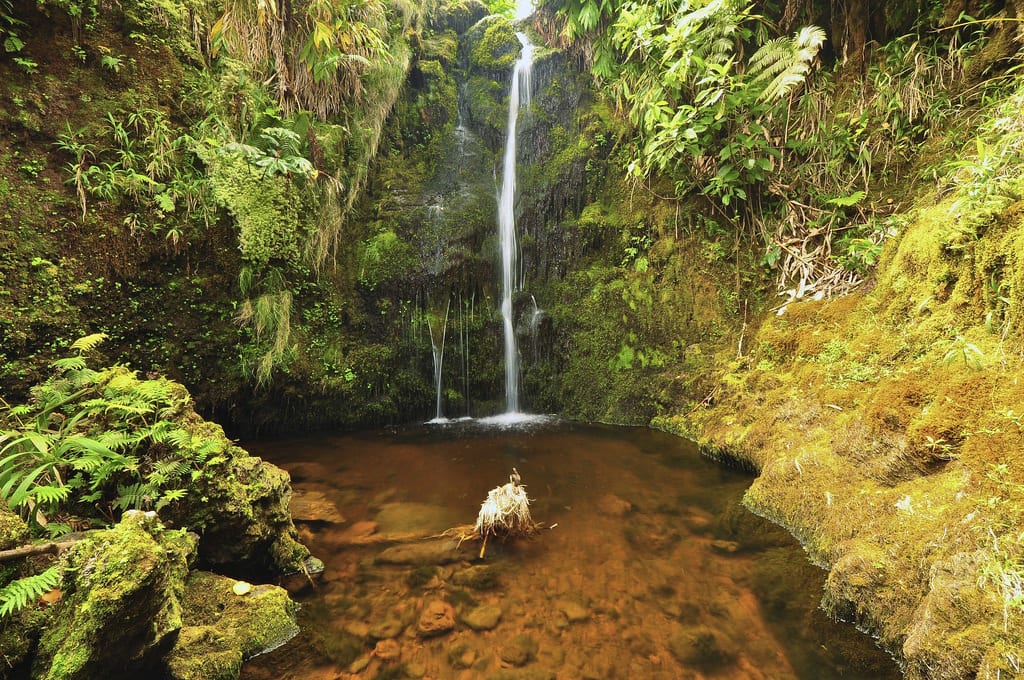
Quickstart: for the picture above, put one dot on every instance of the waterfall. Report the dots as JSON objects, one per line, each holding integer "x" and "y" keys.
{"x": 437, "y": 349}
{"x": 520, "y": 91}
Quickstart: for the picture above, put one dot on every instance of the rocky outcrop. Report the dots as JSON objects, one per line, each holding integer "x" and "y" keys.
{"x": 121, "y": 610}
{"x": 239, "y": 507}
{"x": 225, "y": 622}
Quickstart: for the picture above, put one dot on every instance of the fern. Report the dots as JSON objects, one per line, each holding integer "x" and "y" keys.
{"x": 89, "y": 342}
{"x": 782, "y": 64}
{"x": 19, "y": 594}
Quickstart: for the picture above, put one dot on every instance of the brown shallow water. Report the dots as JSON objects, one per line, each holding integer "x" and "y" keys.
{"x": 648, "y": 566}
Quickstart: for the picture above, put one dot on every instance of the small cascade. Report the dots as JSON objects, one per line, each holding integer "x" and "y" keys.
{"x": 519, "y": 94}
{"x": 437, "y": 349}
{"x": 536, "y": 318}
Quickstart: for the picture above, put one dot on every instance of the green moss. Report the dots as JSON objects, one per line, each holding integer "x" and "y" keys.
{"x": 121, "y": 608}
{"x": 266, "y": 208}
{"x": 222, "y": 628}
{"x": 494, "y": 47}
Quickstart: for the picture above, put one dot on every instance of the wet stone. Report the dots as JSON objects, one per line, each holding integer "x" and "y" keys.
{"x": 725, "y": 547}
{"x": 387, "y": 650}
{"x": 478, "y": 577}
{"x": 462, "y": 656}
{"x": 388, "y": 628}
{"x": 437, "y": 618}
{"x": 442, "y": 551}
{"x": 398, "y": 518}
{"x": 484, "y": 617}
{"x": 313, "y": 506}
{"x": 519, "y": 651}
{"x": 574, "y": 611}
{"x": 613, "y": 506}
{"x": 702, "y": 647}
{"x": 646, "y": 533}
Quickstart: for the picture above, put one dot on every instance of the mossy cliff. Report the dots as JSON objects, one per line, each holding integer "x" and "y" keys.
{"x": 885, "y": 427}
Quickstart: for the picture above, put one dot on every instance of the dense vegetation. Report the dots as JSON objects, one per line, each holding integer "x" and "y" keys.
{"x": 757, "y": 225}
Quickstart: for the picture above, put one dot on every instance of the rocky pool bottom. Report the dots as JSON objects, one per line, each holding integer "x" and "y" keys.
{"x": 647, "y": 566}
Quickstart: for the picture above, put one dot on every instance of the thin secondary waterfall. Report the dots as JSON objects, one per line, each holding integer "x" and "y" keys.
{"x": 437, "y": 349}
{"x": 519, "y": 94}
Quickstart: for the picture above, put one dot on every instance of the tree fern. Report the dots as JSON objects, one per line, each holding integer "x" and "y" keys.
{"x": 19, "y": 594}
{"x": 782, "y": 64}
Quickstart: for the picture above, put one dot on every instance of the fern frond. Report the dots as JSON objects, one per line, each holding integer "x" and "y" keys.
{"x": 782, "y": 64}
{"x": 76, "y": 363}
{"x": 18, "y": 594}
{"x": 89, "y": 342}
{"x": 50, "y": 495}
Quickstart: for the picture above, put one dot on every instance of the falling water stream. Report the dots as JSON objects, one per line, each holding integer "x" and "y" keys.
{"x": 519, "y": 94}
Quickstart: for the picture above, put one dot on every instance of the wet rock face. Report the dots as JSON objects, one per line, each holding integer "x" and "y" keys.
{"x": 121, "y": 610}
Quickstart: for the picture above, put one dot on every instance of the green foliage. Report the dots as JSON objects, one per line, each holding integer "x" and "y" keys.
{"x": 22, "y": 592}
{"x": 9, "y": 27}
{"x": 318, "y": 56}
{"x": 145, "y": 167}
{"x": 268, "y": 315}
{"x": 98, "y": 439}
{"x": 267, "y": 208}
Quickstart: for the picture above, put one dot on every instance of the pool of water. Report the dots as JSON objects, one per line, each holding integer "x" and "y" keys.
{"x": 647, "y": 566}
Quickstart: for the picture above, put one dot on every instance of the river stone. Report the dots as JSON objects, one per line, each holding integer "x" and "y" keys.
{"x": 701, "y": 647}
{"x": 437, "y": 618}
{"x": 404, "y": 518}
{"x": 724, "y": 547}
{"x": 462, "y": 656}
{"x": 573, "y": 611}
{"x": 387, "y": 650}
{"x": 421, "y": 553}
{"x": 519, "y": 651}
{"x": 314, "y": 506}
{"x": 613, "y": 506}
{"x": 388, "y": 628}
{"x": 484, "y": 617}
{"x": 478, "y": 577}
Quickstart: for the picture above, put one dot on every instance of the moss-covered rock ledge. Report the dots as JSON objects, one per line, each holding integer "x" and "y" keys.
{"x": 886, "y": 427}
{"x": 168, "y": 491}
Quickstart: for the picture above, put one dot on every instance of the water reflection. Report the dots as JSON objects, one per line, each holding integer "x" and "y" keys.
{"x": 649, "y": 567}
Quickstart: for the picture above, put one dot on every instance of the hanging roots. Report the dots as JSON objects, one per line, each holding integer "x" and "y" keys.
{"x": 505, "y": 513}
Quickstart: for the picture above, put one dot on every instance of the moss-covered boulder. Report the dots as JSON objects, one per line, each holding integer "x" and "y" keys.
{"x": 121, "y": 609}
{"x": 225, "y": 622}
{"x": 492, "y": 46}
{"x": 456, "y": 15}
{"x": 239, "y": 506}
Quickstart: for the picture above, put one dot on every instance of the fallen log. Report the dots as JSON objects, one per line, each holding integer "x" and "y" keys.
{"x": 33, "y": 550}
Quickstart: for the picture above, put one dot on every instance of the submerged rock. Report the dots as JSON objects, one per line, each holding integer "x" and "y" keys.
{"x": 403, "y": 518}
{"x": 484, "y": 617}
{"x": 314, "y": 506}
{"x": 520, "y": 650}
{"x": 438, "y": 551}
{"x": 702, "y": 647}
{"x": 224, "y": 625}
{"x": 478, "y": 577}
{"x": 121, "y": 609}
{"x": 438, "y": 618}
